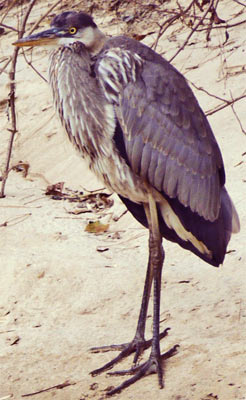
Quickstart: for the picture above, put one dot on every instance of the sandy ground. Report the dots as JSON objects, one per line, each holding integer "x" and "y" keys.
{"x": 59, "y": 296}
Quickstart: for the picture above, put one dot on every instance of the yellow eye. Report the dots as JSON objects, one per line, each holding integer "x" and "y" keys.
{"x": 72, "y": 30}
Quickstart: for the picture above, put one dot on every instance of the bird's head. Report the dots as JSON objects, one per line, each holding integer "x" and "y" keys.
{"x": 66, "y": 28}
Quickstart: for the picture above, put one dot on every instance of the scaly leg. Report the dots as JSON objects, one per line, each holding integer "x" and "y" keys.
{"x": 138, "y": 344}
{"x": 154, "y": 364}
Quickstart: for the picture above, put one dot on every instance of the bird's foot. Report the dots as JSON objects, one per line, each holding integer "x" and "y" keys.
{"x": 152, "y": 365}
{"x": 137, "y": 346}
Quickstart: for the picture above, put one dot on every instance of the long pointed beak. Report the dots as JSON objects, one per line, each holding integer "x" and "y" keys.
{"x": 45, "y": 38}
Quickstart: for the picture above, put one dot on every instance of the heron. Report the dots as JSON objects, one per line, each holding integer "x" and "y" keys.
{"x": 136, "y": 122}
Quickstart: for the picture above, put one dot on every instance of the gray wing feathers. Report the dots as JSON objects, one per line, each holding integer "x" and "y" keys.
{"x": 169, "y": 141}
{"x": 167, "y": 137}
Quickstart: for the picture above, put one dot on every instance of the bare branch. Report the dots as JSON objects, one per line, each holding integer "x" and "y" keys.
{"x": 169, "y": 22}
{"x": 210, "y": 6}
{"x": 11, "y": 5}
{"x": 32, "y": 66}
{"x": 8, "y": 27}
{"x": 13, "y": 129}
{"x": 208, "y": 93}
{"x": 43, "y": 16}
{"x": 223, "y": 26}
{"x": 31, "y": 31}
{"x": 239, "y": 2}
{"x": 222, "y": 106}
{"x": 5, "y": 65}
{"x": 60, "y": 386}
{"x": 237, "y": 118}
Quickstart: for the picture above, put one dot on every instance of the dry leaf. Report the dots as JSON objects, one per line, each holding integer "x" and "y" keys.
{"x": 22, "y": 167}
{"x": 55, "y": 190}
{"x": 96, "y": 227}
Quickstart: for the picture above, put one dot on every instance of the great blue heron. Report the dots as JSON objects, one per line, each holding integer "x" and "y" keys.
{"x": 134, "y": 119}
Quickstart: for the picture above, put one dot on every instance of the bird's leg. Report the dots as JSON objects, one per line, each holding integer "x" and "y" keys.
{"x": 156, "y": 259}
{"x": 139, "y": 339}
{"x": 138, "y": 344}
{"x": 154, "y": 363}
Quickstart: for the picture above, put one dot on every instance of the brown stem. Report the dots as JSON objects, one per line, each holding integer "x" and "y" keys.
{"x": 11, "y": 28}
{"x": 13, "y": 129}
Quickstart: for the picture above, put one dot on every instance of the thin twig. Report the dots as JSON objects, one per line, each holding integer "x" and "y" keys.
{"x": 212, "y": 19}
{"x": 208, "y": 93}
{"x": 239, "y": 2}
{"x": 5, "y": 66}
{"x": 225, "y": 101}
{"x": 193, "y": 30}
{"x": 60, "y": 386}
{"x": 237, "y": 117}
{"x": 15, "y": 220}
{"x": 32, "y": 66}
{"x": 222, "y": 106}
{"x": 13, "y": 129}
{"x": 43, "y": 16}
{"x": 169, "y": 22}
{"x": 31, "y": 31}
{"x": 8, "y": 8}
{"x": 8, "y": 27}
{"x": 223, "y": 26}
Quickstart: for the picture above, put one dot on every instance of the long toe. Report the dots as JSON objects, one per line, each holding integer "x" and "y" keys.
{"x": 137, "y": 346}
{"x": 152, "y": 365}
{"x": 124, "y": 353}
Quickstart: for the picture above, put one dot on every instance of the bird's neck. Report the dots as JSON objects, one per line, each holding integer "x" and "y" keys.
{"x": 94, "y": 40}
